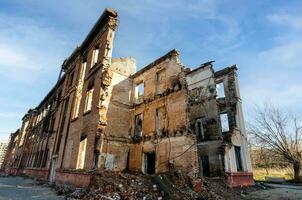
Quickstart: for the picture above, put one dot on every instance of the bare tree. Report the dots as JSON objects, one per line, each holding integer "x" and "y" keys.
{"x": 280, "y": 133}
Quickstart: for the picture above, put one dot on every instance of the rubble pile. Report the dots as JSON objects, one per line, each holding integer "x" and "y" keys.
{"x": 172, "y": 185}
{"x": 117, "y": 186}
{"x": 216, "y": 188}
{"x": 64, "y": 189}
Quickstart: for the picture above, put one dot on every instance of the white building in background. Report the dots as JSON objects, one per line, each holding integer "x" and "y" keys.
{"x": 3, "y": 148}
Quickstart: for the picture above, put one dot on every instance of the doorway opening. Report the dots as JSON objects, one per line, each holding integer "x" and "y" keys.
{"x": 52, "y": 175}
{"x": 238, "y": 158}
{"x": 205, "y": 165}
{"x": 149, "y": 162}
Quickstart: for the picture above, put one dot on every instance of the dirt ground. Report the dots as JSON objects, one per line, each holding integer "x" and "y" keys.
{"x": 257, "y": 192}
{"x": 138, "y": 187}
{"x": 278, "y": 192}
{"x": 275, "y": 194}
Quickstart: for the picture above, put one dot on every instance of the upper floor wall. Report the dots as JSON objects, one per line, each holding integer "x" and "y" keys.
{"x": 158, "y": 98}
{"x": 157, "y": 77}
{"x": 213, "y": 99}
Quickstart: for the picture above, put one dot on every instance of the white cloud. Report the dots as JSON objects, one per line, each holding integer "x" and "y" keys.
{"x": 273, "y": 76}
{"x": 16, "y": 64}
{"x": 10, "y": 115}
{"x": 28, "y": 47}
{"x": 10, "y": 57}
{"x": 150, "y": 10}
{"x": 288, "y": 54}
{"x": 292, "y": 21}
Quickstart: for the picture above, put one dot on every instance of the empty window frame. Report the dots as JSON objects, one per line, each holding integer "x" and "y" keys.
{"x": 44, "y": 162}
{"x": 57, "y": 100}
{"x": 58, "y": 143}
{"x": 76, "y": 107}
{"x": 138, "y": 125}
{"x": 82, "y": 72}
{"x": 78, "y": 98}
{"x": 71, "y": 79}
{"x": 97, "y": 145}
{"x": 88, "y": 102}
{"x": 52, "y": 125}
{"x": 238, "y": 158}
{"x": 82, "y": 152}
{"x": 23, "y": 133}
{"x": 160, "y": 81}
{"x": 224, "y": 121}
{"x": 160, "y": 116}
{"x": 220, "y": 90}
{"x": 95, "y": 55}
{"x": 199, "y": 130}
{"x": 46, "y": 124}
{"x": 64, "y": 114}
{"x": 139, "y": 90}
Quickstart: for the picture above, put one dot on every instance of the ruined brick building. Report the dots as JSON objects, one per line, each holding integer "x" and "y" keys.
{"x": 104, "y": 115}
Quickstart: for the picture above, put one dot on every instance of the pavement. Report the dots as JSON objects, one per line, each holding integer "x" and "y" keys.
{"x": 286, "y": 186}
{"x": 277, "y": 192}
{"x": 15, "y": 188}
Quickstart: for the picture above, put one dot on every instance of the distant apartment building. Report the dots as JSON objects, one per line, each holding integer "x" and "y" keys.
{"x": 103, "y": 115}
{"x": 3, "y": 148}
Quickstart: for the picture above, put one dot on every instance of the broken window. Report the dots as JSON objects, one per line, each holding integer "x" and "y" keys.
{"x": 76, "y": 106}
{"x": 160, "y": 81}
{"x": 149, "y": 163}
{"x": 45, "y": 159}
{"x": 51, "y": 128}
{"x": 95, "y": 55}
{"x": 39, "y": 159}
{"x": 97, "y": 145}
{"x": 82, "y": 151}
{"x": 23, "y": 133}
{"x": 88, "y": 102}
{"x": 199, "y": 130}
{"x": 64, "y": 114}
{"x": 83, "y": 70}
{"x": 160, "y": 120}
{"x": 238, "y": 158}
{"x": 78, "y": 98}
{"x": 58, "y": 98}
{"x": 58, "y": 143}
{"x": 220, "y": 90}
{"x": 139, "y": 90}
{"x": 36, "y": 159}
{"x": 71, "y": 79}
{"x": 138, "y": 127}
{"x": 224, "y": 121}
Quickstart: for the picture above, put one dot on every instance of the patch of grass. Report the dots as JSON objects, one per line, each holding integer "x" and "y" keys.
{"x": 260, "y": 173}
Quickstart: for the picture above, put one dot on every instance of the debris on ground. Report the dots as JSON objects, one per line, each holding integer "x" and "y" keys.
{"x": 218, "y": 189}
{"x": 176, "y": 185}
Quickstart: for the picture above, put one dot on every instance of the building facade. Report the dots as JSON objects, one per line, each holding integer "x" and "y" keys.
{"x": 103, "y": 115}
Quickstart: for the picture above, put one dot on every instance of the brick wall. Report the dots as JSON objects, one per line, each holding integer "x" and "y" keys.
{"x": 239, "y": 179}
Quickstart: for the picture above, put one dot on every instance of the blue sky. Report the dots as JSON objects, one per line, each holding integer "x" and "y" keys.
{"x": 262, "y": 37}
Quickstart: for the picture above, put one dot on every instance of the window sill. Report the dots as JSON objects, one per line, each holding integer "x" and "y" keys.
{"x": 74, "y": 119}
{"x": 138, "y": 100}
{"x": 94, "y": 66}
{"x": 87, "y": 112}
{"x": 92, "y": 70}
{"x": 225, "y": 132}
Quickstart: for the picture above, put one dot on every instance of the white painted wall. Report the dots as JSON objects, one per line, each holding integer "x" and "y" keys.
{"x": 238, "y": 139}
